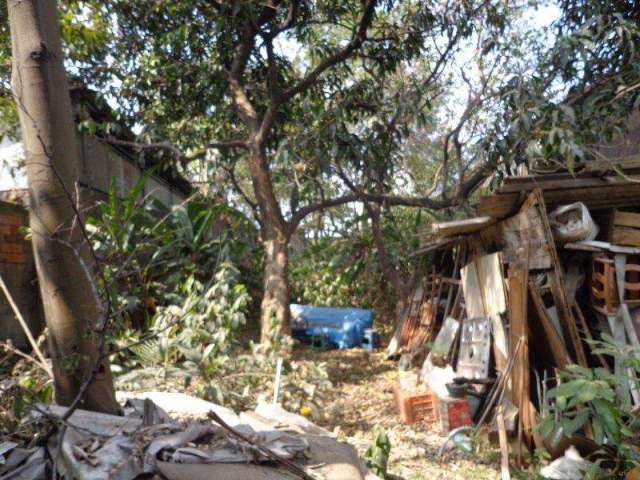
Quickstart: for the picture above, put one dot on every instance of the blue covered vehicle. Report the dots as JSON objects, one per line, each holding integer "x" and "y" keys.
{"x": 340, "y": 327}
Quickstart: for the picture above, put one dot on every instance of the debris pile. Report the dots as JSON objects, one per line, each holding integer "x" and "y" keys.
{"x": 212, "y": 442}
{"x": 550, "y": 268}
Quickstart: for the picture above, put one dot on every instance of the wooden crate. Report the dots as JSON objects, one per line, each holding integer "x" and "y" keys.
{"x": 416, "y": 406}
{"x": 604, "y": 293}
{"x": 624, "y": 229}
{"x": 453, "y": 413}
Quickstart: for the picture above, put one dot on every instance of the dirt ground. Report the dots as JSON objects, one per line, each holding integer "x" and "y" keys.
{"x": 363, "y": 398}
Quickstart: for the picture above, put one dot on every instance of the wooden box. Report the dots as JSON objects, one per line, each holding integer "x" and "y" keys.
{"x": 604, "y": 293}
{"x": 624, "y": 229}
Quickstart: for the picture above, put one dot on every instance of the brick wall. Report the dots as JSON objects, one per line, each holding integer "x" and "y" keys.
{"x": 12, "y": 244}
{"x": 18, "y": 271}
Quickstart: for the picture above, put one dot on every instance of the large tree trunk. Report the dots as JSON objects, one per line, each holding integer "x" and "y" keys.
{"x": 274, "y": 314}
{"x": 53, "y": 163}
{"x": 274, "y": 311}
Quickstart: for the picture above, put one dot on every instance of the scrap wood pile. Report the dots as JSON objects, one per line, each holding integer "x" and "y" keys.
{"x": 519, "y": 293}
{"x": 174, "y": 436}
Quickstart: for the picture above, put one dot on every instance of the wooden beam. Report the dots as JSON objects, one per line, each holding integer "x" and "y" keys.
{"x": 518, "y": 278}
{"x": 557, "y": 281}
{"x": 504, "y": 445}
{"x": 611, "y": 195}
{"x": 457, "y": 227}
{"x": 558, "y": 348}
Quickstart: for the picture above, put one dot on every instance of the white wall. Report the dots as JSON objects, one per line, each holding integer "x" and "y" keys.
{"x": 11, "y": 155}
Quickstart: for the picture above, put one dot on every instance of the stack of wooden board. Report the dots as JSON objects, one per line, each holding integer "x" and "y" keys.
{"x": 624, "y": 228}
{"x": 595, "y": 190}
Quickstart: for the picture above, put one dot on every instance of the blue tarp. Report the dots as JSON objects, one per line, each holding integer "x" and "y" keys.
{"x": 342, "y": 327}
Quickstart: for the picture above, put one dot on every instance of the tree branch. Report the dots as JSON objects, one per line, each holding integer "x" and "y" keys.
{"x": 385, "y": 259}
{"x": 234, "y": 181}
{"x": 356, "y": 42}
{"x": 175, "y": 151}
{"x": 299, "y": 215}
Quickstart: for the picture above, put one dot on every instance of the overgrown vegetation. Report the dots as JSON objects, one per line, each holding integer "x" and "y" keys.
{"x": 182, "y": 303}
{"x": 594, "y": 398}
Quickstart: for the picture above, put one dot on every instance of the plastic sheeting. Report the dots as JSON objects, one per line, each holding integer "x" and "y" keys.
{"x": 342, "y": 327}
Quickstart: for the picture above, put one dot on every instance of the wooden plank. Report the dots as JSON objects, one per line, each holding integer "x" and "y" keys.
{"x": 435, "y": 245}
{"x": 598, "y": 246}
{"x": 587, "y": 333}
{"x": 626, "y": 219}
{"x": 525, "y": 226}
{"x": 518, "y": 278}
{"x": 623, "y": 312}
{"x": 617, "y": 195}
{"x": 557, "y": 281}
{"x": 457, "y": 227}
{"x": 504, "y": 444}
{"x": 627, "y": 236}
{"x": 483, "y": 289}
{"x": 585, "y": 246}
{"x": 473, "y": 301}
{"x": 499, "y": 205}
{"x": 560, "y": 183}
{"x": 558, "y": 348}
{"x": 489, "y": 269}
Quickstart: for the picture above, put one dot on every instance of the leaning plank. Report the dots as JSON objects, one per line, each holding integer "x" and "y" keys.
{"x": 518, "y": 282}
{"x": 557, "y": 280}
{"x": 483, "y": 289}
{"x": 504, "y": 445}
{"x": 525, "y": 227}
{"x": 489, "y": 269}
{"x": 472, "y": 291}
{"x": 558, "y": 348}
{"x": 457, "y": 227}
{"x": 579, "y": 316}
{"x": 623, "y": 312}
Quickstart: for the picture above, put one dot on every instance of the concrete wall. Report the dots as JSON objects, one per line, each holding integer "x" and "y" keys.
{"x": 18, "y": 272}
{"x": 101, "y": 165}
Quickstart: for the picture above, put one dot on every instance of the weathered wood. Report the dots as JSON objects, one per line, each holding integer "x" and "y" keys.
{"x": 624, "y": 236}
{"x": 623, "y": 195}
{"x": 483, "y": 288}
{"x": 626, "y": 219}
{"x": 624, "y": 228}
{"x": 560, "y": 182}
{"x": 558, "y": 348}
{"x": 557, "y": 281}
{"x": 472, "y": 290}
{"x": 620, "y": 267}
{"x": 587, "y": 332}
{"x": 504, "y": 444}
{"x": 457, "y": 227}
{"x": 525, "y": 226}
{"x": 598, "y": 246}
{"x": 489, "y": 268}
{"x": 518, "y": 278}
